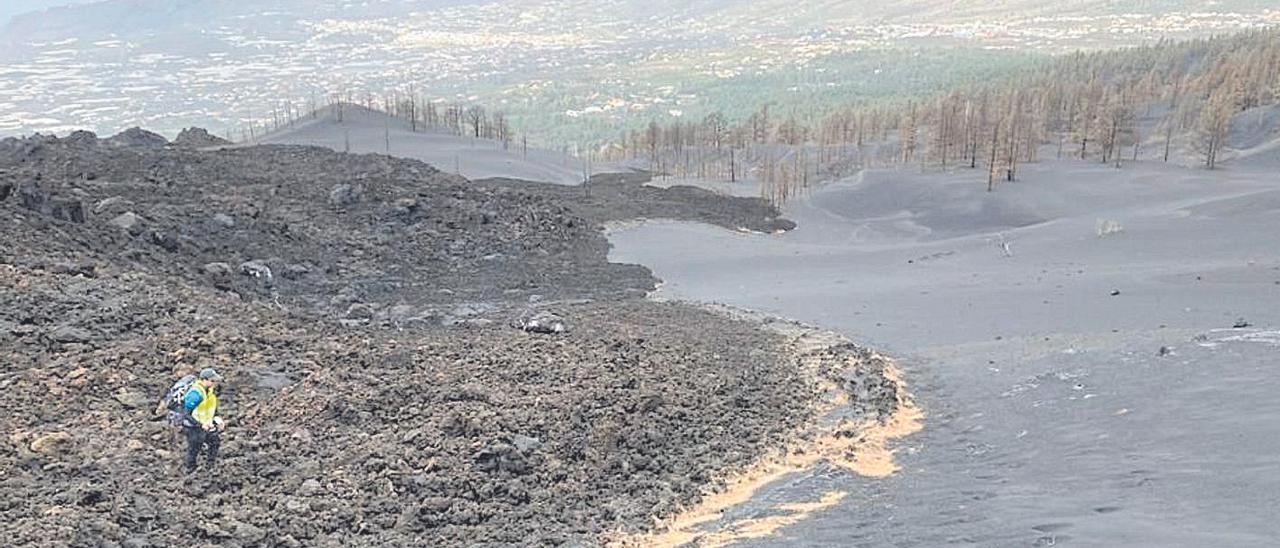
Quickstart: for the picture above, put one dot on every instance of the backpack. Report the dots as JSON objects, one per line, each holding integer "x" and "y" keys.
{"x": 173, "y": 398}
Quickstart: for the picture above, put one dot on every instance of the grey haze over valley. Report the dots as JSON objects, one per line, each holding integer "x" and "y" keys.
{"x": 228, "y": 65}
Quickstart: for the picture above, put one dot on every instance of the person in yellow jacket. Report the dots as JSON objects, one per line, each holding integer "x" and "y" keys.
{"x": 203, "y": 428}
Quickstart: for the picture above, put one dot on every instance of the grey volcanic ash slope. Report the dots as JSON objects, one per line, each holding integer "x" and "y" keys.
{"x": 375, "y": 396}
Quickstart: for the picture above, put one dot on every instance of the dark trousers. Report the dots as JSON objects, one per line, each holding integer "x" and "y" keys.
{"x": 198, "y": 438}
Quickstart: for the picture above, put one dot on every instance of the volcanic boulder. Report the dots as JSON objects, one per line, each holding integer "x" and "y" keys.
{"x": 542, "y": 322}
{"x": 51, "y": 443}
{"x": 257, "y": 270}
{"x": 129, "y": 222}
{"x": 343, "y": 195}
{"x": 31, "y": 196}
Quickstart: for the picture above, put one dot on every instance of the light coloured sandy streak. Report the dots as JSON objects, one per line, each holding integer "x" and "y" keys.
{"x": 864, "y": 448}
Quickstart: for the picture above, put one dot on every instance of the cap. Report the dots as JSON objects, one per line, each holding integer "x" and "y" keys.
{"x": 211, "y": 374}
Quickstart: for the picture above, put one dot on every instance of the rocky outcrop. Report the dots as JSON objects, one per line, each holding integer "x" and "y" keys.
{"x": 195, "y": 137}
{"x": 137, "y": 137}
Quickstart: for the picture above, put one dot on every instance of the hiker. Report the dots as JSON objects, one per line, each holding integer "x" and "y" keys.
{"x": 202, "y": 428}
{"x": 170, "y": 406}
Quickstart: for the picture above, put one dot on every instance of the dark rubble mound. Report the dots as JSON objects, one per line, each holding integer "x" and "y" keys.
{"x": 308, "y": 228}
{"x": 481, "y": 436}
{"x": 196, "y": 137}
{"x": 82, "y": 138}
{"x": 625, "y": 196}
{"x": 137, "y": 137}
{"x": 376, "y": 394}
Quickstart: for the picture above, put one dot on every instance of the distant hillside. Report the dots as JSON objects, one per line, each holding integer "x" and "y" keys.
{"x": 952, "y": 11}
{"x": 827, "y": 13}
{"x": 122, "y": 18}
{"x": 11, "y": 8}
{"x": 1198, "y": 102}
{"x": 361, "y": 130}
{"x": 565, "y": 71}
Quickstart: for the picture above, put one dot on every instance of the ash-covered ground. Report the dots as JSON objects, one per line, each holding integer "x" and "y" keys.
{"x": 359, "y": 306}
{"x": 1095, "y": 349}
